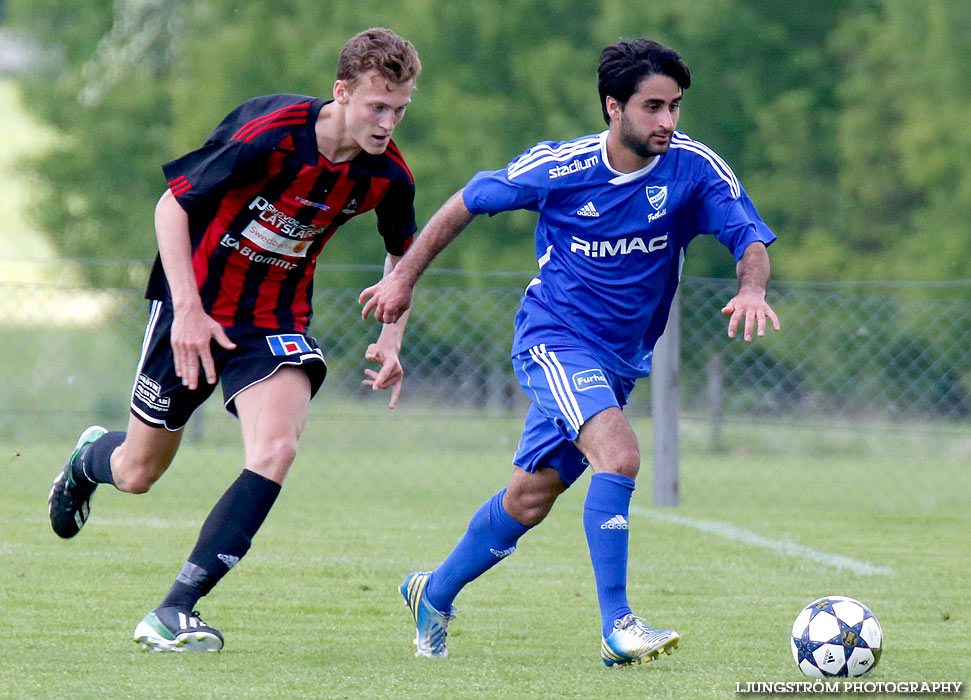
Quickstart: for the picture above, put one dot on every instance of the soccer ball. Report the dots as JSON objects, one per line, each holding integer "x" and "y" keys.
{"x": 836, "y": 636}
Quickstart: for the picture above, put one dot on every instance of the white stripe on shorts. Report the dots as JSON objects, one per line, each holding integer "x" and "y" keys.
{"x": 149, "y": 331}
{"x": 566, "y": 384}
{"x": 559, "y": 386}
{"x": 153, "y": 316}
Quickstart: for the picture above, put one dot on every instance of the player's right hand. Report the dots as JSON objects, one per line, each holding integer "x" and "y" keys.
{"x": 192, "y": 334}
{"x": 388, "y": 299}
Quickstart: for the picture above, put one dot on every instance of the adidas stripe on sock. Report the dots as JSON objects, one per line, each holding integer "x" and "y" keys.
{"x": 605, "y": 521}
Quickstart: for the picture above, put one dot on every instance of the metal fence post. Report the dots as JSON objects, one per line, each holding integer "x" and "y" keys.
{"x": 665, "y": 405}
{"x": 715, "y": 371}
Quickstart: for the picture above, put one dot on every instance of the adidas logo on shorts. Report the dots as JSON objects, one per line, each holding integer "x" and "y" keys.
{"x": 618, "y": 522}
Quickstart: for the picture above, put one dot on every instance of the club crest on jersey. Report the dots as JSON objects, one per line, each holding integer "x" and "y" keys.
{"x": 590, "y": 379}
{"x": 657, "y": 196}
{"x": 288, "y": 344}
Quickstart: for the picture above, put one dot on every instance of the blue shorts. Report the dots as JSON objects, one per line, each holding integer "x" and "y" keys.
{"x": 567, "y": 386}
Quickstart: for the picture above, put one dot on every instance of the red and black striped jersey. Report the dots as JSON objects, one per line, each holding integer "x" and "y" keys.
{"x": 262, "y": 202}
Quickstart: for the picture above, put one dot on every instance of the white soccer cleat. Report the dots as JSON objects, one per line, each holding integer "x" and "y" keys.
{"x": 633, "y": 641}
{"x": 176, "y": 629}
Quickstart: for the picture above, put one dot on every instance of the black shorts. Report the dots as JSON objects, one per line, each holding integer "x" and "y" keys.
{"x": 158, "y": 396}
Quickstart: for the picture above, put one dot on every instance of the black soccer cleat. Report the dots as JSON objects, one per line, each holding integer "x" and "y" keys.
{"x": 69, "y": 503}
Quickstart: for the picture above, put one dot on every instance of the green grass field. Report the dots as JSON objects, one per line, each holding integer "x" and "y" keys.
{"x": 312, "y": 612}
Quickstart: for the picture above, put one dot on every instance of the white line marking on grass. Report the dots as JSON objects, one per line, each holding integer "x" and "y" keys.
{"x": 150, "y": 523}
{"x": 786, "y": 547}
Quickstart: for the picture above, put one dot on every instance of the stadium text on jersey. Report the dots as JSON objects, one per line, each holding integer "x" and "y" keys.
{"x": 574, "y": 167}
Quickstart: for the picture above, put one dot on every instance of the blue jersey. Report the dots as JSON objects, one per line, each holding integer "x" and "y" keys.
{"x": 610, "y": 245}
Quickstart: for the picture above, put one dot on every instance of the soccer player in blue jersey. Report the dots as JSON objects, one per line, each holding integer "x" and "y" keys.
{"x": 616, "y": 212}
{"x": 239, "y": 230}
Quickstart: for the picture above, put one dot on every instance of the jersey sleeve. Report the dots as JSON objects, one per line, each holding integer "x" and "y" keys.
{"x": 396, "y": 217}
{"x": 493, "y": 191}
{"x": 727, "y": 212}
{"x": 203, "y": 175}
{"x": 238, "y": 149}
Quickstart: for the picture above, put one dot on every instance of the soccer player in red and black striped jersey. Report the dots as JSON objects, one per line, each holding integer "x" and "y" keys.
{"x": 239, "y": 231}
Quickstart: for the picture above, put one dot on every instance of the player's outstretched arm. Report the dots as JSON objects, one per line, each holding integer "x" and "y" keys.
{"x": 391, "y": 297}
{"x": 386, "y": 349}
{"x": 192, "y": 328}
{"x": 749, "y": 307}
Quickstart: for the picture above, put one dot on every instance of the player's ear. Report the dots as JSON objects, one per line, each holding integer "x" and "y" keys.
{"x": 614, "y": 108}
{"x": 342, "y": 92}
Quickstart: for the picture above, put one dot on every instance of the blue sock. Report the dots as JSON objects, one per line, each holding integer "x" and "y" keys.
{"x": 605, "y": 515}
{"x": 491, "y": 536}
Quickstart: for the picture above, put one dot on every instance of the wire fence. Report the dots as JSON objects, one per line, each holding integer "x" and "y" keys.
{"x": 897, "y": 352}
{"x": 867, "y": 388}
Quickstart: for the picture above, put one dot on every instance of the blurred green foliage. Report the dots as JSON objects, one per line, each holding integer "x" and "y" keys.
{"x": 847, "y": 120}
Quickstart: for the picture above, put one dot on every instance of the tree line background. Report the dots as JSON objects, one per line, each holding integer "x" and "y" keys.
{"x": 846, "y": 120}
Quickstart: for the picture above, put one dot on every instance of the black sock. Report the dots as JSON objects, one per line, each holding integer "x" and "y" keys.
{"x": 94, "y": 461}
{"x": 225, "y": 537}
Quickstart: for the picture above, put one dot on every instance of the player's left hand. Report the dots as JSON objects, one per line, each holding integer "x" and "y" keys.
{"x": 389, "y": 376}
{"x": 753, "y": 309}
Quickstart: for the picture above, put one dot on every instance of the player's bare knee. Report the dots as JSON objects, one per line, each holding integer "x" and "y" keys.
{"x": 273, "y": 459}
{"x": 530, "y": 511}
{"x": 535, "y": 509}
{"x": 624, "y": 460}
{"x": 135, "y": 478}
{"x": 629, "y": 462}
{"x": 530, "y": 497}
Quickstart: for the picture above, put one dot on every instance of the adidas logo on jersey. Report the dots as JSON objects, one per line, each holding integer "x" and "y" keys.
{"x": 618, "y": 522}
{"x": 588, "y": 210}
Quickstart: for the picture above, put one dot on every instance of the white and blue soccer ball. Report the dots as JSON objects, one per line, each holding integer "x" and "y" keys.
{"x": 836, "y": 636}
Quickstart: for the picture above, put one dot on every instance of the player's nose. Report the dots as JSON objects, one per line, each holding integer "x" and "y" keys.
{"x": 666, "y": 120}
{"x": 387, "y": 122}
